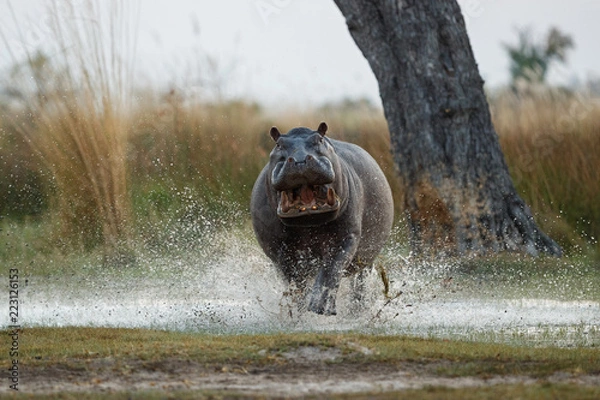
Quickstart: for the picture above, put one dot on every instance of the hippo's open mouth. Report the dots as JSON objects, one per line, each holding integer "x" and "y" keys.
{"x": 307, "y": 200}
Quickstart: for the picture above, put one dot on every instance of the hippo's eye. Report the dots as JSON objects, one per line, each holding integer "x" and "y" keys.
{"x": 318, "y": 139}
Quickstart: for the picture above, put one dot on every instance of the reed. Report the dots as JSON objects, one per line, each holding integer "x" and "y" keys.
{"x": 551, "y": 141}
{"x": 74, "y": 115}
{"x": 216, "y": 150}
{"x": 193, "y": 162}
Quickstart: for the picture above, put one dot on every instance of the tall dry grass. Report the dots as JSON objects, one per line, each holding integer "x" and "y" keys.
{"x": 187, "y": 159}
{"x": 75, "y": 113}
{"x": 551, "y": 141}
{"x": 214, "y": 151}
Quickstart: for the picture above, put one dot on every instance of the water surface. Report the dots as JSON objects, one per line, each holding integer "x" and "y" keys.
{"x": 228, "y": 286}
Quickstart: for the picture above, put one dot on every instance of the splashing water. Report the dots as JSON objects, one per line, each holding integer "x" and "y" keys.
{"x": 227, "y": 285}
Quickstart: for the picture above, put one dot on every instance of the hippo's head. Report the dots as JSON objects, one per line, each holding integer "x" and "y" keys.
{"x": 302, "y": 170}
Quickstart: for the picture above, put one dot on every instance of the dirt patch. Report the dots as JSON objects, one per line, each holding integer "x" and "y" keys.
{"x": 308, "y": 370}
{"x": 312, "y": 354}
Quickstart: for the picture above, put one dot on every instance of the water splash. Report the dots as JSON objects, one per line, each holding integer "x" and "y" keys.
{"x": 226, "y": 285}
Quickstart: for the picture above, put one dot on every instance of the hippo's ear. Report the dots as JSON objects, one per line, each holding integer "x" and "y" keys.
{"x": 274, "y": 132}
{"x": 322, "y": 129}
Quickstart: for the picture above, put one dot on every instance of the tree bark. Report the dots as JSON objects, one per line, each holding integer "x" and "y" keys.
{"x": 458, "y": 194}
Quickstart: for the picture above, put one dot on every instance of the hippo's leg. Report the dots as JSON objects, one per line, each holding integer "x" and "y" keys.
{"x": 294, "y": 268}
{"x": 293, "y": 265}
{"x": 358, "y": 284}
{"x": 361, "y": 299}
{"x": 322, "y": 298}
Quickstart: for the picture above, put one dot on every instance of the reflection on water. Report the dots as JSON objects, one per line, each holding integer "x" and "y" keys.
{"x": 235, "y": 289}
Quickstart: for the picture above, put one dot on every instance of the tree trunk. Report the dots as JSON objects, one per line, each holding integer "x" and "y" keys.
{"x": 458, "y": 194}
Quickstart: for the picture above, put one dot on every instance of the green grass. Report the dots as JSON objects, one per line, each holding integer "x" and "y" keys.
{"x": 76, "y": 349}
{"x": 568, "y": 278}
{"x": 33, "y": 247}
{"x": 49, "y": 346}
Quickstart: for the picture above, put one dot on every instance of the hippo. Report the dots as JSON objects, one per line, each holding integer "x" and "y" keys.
{"x": 321, "y": 208}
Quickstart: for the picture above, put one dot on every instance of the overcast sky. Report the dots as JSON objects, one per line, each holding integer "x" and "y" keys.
{"x": 299, "y": 52}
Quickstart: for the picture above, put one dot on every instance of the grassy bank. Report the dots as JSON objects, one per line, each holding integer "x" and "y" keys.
{"x": 50, "y": 346}
{"x": 135, "y": 356}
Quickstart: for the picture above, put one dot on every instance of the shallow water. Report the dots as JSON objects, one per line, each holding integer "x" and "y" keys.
{"x": 230, "y": 287}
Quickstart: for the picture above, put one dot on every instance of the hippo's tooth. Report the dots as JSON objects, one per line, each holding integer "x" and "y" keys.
{"x": 303, "y": 209}
{"x": 285, "y": 202}
{"x": 314, "y": 207}
{"x": 330, "y": 196}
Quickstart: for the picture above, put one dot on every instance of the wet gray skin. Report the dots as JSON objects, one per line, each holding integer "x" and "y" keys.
{"x": 321, "y": 208}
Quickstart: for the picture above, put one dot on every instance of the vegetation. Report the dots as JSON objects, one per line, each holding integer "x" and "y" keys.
{"x": 72, "y": 115}
{"x": 90, "y": 165}
{"x": 549, "y": 138}
{"x": 185, "y": 159}
{"x": 49, "y": 346}
{"x": 530, "y": 61}
{"x": 89, "y": 162}
{"x": 91, "y": 353}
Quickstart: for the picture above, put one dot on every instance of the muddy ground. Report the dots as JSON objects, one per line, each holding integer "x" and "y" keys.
{"x": 305, "y": 371}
